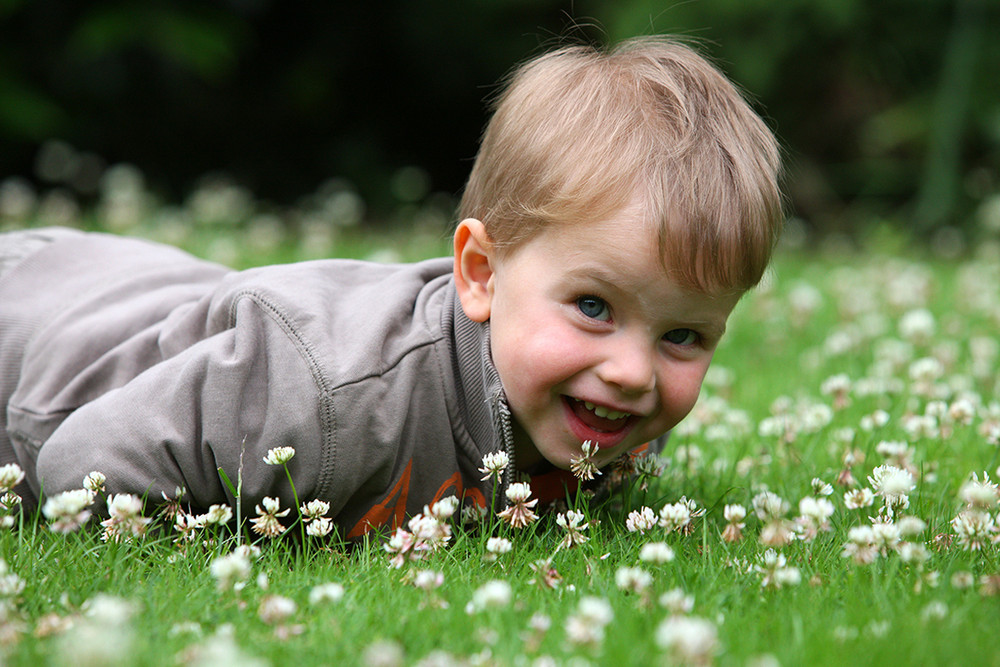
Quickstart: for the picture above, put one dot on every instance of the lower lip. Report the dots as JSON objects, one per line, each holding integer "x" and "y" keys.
{"x": 603, "y": 439}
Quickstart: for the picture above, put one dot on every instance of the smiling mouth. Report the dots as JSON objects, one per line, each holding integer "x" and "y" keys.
{"x": 599, "y": 418}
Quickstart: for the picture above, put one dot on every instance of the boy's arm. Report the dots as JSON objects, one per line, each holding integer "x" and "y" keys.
{"x": 224, "y": 402}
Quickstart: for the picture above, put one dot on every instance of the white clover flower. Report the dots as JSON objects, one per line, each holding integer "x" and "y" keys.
{"x": 962, "y": 579}
{"x": 320, "y": 527}
{"x": 276, "y": 609}
{"x": 656, "y": 552}
{"x": 935, "y": 610}
{"x": 676, "y": 601}
{"x": 10, "y": 476}
{"x": 821, "y": 488}
{"x": 817, "y": 509}
{"x": 499, "y": 545}
{"x": 583, "y": 466}
{"x": 493, "y": 594}
{"x": 982, "y": 494}
{"x": 331, "y": 592}
{"x": 688, "y": 639}
{"x": 633, "y": 579}
{"x": 219, "y": 515}
{"x": 314, "y": 509}
{"x": 769, "y": 506}
{"x": 494, "y": 464}
{"x": 444, "y": 508}
{"x": 885, "y": 536}
{"x": 595, "y": 610}
{"x": 734, "y": 513}
{"x": 519, "y": 514}
{"x": 974, "y": 528}
{"x": 641, "y": 520}
{"x": 674, "y": 516}
{"x": 910, "y": 552}
{"x": 230, "y": 569}
{"x": 67, "y": 511}
{"x": 893, "y": 484}
{"x": 266, "y": 523}
{"x": 95, "y": 481}
{"x": 279, "y": 456}
{"x": 910, "y": 526}
{"x": 428, "y": 580}
{"x": 859, "y": 498}
{"x": 861, "y": 545}
{"x": 917, "y": 326}
{"x": 571, "y": 522}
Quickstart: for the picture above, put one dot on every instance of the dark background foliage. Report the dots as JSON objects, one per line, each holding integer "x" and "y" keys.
{"x": 887, "y": 110}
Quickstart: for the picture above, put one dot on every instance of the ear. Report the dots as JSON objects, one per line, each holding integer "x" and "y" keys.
{"x": 474, "y": 269}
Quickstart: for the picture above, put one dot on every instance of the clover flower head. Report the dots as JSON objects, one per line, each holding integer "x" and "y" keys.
{"x": 911, "y": 552}
{"x": 326, "y": 593}
{"x": 817, "y": 509}
{"x": 266, "y": 522}
{"x": 974, "y": 529}
{"x": 95, "y": 481}
{"x": 546, "y": 576}
{"x": 126, "y": 520}
{"x": 676, "y": 601}
{"x": 219, "y": 514}
{"x": 859, "y": 498}
{"x": 320, "y": 527}
{"x": 586, "y": 626}
{"x": 572, "y": 523}
{"x": 688, "y": 639}
{"x": 314, "y": 509}
{"x": 11, "y": 475}
{"x": 443, "y": 509}
{"x": 276, "y": 609}
{"x": 641, "y": 520}
{"x": 633, "y": 579}
{"x": 768, "y": 506}
{"x": 494, "y": 464}
{"x": 498, "y": 545}
{"x": 519, "y": 514}
{"x": 675, "y": 516}
{"x": 734, "y": 516}
{"x": 860, "y": 545}
{"x": 979, "y": 494}
{"x": 893, "y": 484}
{"x": 279, "y": 456}
{"x": 821, "y": 488}
{"x": 493, "y": 594}
{"x": 656, "y": 552}
{"x": 583, "y": 466}
{"x": 67, "y": 511}
{"x": 428, "y": 580}
{"x": 230, "y": 569}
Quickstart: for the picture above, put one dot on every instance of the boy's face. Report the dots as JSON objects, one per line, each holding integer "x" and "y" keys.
{"x": 591, "y": 339}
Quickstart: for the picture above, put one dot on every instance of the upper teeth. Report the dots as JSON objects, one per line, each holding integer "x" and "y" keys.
{"x": 603, "y": 412}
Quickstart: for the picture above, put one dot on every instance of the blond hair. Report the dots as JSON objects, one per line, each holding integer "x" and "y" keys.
{"x": 578, "y": 134}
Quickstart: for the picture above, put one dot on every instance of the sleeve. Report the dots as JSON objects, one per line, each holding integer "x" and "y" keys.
{"x": 221, "y": 403}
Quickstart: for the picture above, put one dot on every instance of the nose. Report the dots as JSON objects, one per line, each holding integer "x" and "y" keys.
{"x": 628, "y": 365}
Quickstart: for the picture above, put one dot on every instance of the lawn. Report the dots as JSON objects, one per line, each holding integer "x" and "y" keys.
{"x": 829, "y": 501}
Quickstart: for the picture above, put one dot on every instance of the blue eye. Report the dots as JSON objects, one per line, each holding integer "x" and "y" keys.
{"x": 681, "y": 336}
{"x": 594, "y": 307}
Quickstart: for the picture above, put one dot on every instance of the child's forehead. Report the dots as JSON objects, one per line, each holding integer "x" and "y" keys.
{"x": 622, "y": 251}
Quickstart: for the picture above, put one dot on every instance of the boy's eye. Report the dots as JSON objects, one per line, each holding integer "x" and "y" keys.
{"x": 681, "y": 336}
{"x": 593, "y": 307}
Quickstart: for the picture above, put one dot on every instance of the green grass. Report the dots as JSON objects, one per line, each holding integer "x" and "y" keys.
{"x": 887, "y": 612}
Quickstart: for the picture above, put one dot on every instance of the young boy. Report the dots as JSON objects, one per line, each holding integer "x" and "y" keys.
{"x": 620, "y": 205}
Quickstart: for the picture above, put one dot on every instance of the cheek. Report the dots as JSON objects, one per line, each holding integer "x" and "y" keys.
{"x": 681, "y": 390}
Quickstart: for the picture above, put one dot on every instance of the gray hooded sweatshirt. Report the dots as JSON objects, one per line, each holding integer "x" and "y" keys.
{"x": 157, "y": 369}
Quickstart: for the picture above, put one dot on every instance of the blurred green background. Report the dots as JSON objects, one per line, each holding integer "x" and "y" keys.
{"x": 889, "y": 111}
